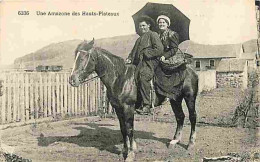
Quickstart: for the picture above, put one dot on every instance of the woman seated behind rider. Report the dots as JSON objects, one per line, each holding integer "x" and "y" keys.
{"x": 169, "y": 38}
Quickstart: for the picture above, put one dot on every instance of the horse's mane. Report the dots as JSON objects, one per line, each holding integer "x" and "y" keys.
{"x": 118, "y": 61}
{"x": 110, "y": 54}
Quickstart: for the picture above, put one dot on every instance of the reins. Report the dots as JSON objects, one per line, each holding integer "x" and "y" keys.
{"x": 92, "y": 78}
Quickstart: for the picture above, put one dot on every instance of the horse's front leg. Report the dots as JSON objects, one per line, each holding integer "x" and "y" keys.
{"x": 126, "y": 119}
{"x": 179, "y": 115}
{"x": 129, "y": 122}
{"x": 190, "y": 102}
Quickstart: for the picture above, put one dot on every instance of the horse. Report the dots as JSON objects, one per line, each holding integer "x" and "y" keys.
{"x": 122, "y": 92}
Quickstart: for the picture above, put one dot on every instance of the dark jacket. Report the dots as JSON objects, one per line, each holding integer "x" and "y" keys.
{"x": 147, "y": 47}
{"x": 170, "y": 41}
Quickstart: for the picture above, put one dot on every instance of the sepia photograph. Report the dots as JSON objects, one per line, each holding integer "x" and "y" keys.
{"x": 129, "y": 80}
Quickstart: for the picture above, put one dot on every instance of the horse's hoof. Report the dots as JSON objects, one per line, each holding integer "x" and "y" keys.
{"x": 134, "y": 145}
{"x": 191, "y": 146}
{"x": 173, "y": 143}
{"x": 130, "y": 157}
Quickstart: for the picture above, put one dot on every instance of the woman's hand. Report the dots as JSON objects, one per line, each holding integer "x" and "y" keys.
{"x": 162, "y": 58}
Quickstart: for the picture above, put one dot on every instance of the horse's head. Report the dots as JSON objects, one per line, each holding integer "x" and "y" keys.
{"x": 84, "y": 63}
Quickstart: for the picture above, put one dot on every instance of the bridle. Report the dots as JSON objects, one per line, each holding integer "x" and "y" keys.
{"x": 88, "y": 57}
{"x": 87, "y": 52}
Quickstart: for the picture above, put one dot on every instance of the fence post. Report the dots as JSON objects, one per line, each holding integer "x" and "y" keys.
{"x": 45, "y": 94}
{"x": 16, "y": 97}
{"x": 65, "y": 93}
{"x": 32, "y": 94}
{"x": 62, "y": 94}
{"x": 49, "y": 80}
{"x": 104, "y": 99}
{"x": 3, "y": 111}
{"x": 22, "y": 97}
{"x": 79, "y": 99}
{"x": 73, "y": 100}
{"x": 58, "y": 93}
{"x": 27, "y": 101}
{"x": 86, "y": 99}
{"x": 36, "y": 95}
{"x": 19, "y": 100}
{"x": 76, "y": 100}
{"x": 41, "y": 98}
{"x": 53, "y": 98}
{"x": 82, "y": 99}
{"x": 70, "y": 100}
{"x": 9, "y": 97}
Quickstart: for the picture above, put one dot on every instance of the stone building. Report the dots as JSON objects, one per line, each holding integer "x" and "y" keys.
{"x": 232, "y": 73}
{"x": 208, "y": 57}
{"x": 249, "y": 53}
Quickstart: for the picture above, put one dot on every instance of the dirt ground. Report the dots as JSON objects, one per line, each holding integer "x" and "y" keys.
{"x": 96, "y": 139}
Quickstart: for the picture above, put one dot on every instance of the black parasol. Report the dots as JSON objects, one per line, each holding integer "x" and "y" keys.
{"x": 180, "y": 23}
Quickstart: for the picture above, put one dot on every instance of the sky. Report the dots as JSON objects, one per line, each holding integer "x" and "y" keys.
{"x": 212, "y": 22}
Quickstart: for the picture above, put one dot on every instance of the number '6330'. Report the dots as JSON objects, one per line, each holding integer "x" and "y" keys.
{"x": 23, "y": 13}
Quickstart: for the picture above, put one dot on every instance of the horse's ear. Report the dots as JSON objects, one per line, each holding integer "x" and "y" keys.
{"x": 92, "y": 42}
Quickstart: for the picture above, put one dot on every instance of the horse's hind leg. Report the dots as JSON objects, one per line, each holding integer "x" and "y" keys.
{"x": 190, "y": 102}
{"x": 179, "y": 115}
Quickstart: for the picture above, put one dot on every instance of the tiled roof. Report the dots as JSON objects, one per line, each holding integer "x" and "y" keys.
{"x": 210, "y": 51}
{"x": 248, "y": 56}
{"x": 250, "y": 46}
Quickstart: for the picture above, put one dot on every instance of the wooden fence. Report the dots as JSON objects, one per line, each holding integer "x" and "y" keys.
{"x": 35, "y": 95}
{"x": 32, "y": 96}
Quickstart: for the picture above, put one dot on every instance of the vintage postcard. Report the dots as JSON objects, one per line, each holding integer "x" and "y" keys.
{"x": 129, "y": 80}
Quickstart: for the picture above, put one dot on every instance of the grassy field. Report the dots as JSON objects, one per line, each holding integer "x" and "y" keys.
{"x": 97, "y": 139}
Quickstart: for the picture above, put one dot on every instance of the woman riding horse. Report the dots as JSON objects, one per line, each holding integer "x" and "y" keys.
{"x": 168, "y": 80}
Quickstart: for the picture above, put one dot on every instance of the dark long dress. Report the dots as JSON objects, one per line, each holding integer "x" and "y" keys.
{"x": 168, "y": 83}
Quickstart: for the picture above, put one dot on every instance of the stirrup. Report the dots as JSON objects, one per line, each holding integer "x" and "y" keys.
{"x": 144, "y": 111}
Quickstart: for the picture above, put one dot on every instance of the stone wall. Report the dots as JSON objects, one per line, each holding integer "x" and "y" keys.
{"x": 231, "y": 79}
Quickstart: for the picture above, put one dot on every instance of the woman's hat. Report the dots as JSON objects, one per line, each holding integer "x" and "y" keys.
{"x": 165, "y": 18}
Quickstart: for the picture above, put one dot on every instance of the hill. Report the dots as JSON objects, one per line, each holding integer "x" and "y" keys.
{"x": 62, "y": 53}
